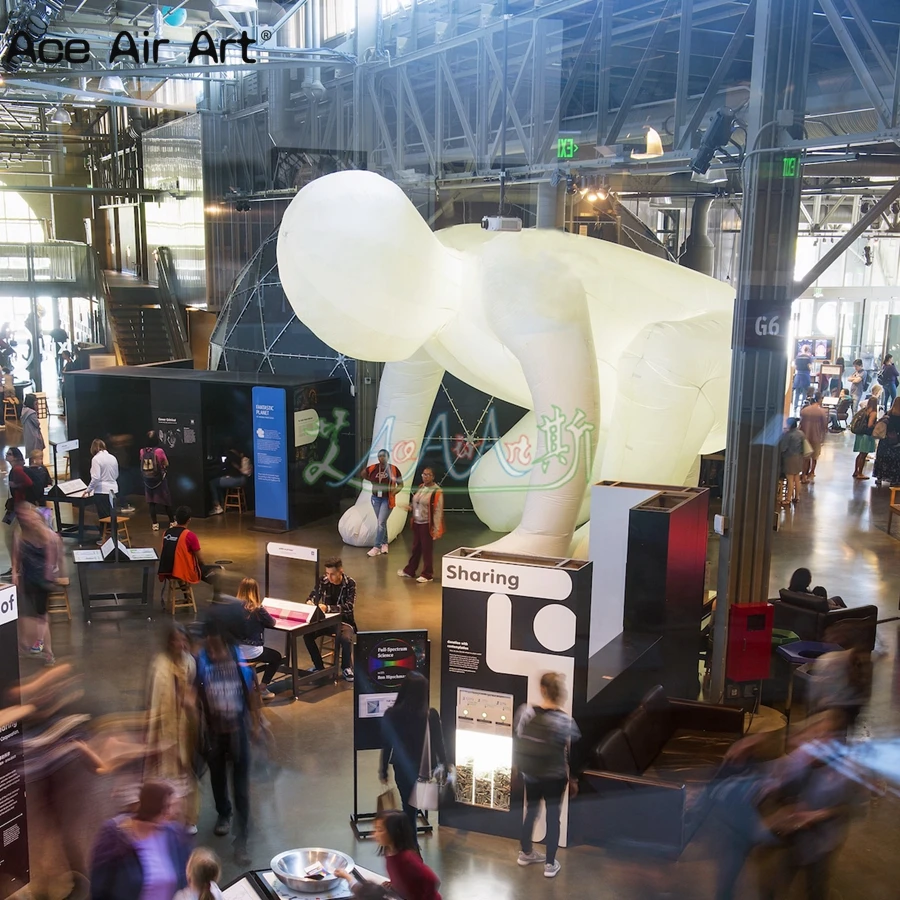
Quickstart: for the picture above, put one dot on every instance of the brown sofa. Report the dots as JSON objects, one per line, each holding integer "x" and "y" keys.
{"x": 808, "y": 616}
{"x": 648, "y": 785}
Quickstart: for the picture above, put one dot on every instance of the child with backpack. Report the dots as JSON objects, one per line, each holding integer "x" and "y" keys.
{"x": 154, "y": 471}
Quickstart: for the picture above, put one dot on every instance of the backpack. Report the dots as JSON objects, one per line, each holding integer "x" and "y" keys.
{"x": 246, "y": 467}
{"x": 860, "y": 422}
{"x": 867, "y": 379}
{"x": 150, "y": 469}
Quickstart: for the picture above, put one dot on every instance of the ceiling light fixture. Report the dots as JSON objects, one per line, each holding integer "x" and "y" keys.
{"x": 60, "y": 116}
{"x": 654, "y": 146}
{"x": 112, "y": 84}
{"x": 716, "y": 137}
{"x": 236, "y": 6}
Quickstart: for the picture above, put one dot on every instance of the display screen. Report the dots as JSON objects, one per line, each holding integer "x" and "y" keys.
{"x": 818, "y": 348}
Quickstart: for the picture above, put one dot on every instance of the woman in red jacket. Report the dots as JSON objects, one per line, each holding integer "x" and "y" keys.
{"x": 409, "y": 877}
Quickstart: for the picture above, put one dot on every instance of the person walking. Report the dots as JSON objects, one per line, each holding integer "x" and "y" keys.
{"x": 543, "y": 735}
{"x": 404, "y": 729}
{"x": 20, "y": 487}
{"x": 814, "y": 425}
{"x": 252, "y": 646}
{"x": 802, "y": 367}
{"x": 31, "y": 426}
{"x": 104, "y": 477}
{"x": 409, "y": 877}
{"x": 386, "y": 483}
{"x": 859, "y": 381}
{"x": 427, "y": 525}
{"x": 141, "y": 856}
{"x": 172, "y": 721}
{"x": 335, "y": 592}
{"x": 229, "y": 707}
{"x": 790, "y": 448}
{"x": 889, "y": 376}
{"x": 155, "y": 471}
{"x": 37, "y": 556}
{"x": 887, "y": 456}
{"x": 864, "y": 443}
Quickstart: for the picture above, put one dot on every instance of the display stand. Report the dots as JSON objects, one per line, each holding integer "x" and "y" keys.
{"x": 14, "y": 865}
{"x": 261, "y": 884}
{"x": 114, "y": 557}
{"x": 75, "y": 493}
{"x": 61, "y": 447}
{"x": 381, "y": 661}
{"x": 299, "y": 619}
{"x": 290, "y": 551}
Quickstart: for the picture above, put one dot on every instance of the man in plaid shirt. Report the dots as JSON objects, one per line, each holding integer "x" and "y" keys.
{"x": 334, "y": 592}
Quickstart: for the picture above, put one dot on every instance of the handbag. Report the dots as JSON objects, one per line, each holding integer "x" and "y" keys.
{"x": 807, "y": 448}
{"x": 880, "y": 429}
{"x": 387, "y": 799}
{"x": 426, "y": 792}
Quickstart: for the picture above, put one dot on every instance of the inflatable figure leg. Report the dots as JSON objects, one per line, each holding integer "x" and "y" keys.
{"x": 405, "y": 398}
{"x": 541, "y": 311}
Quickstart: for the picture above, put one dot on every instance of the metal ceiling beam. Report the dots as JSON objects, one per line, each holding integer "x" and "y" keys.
{"x": 857, "y": 63}
{"x": 460, "y": 106}
{"x": 417, "y": 118}
{"x": 884, "y": 204}
{"x": 683, "y": 72}
{"x": 640, "y": 73}
{"x": 601, "y": 9}
{"x": 715, "y": 83}
{"x": 862, "y": 23}
{"x": 511, "y": 110}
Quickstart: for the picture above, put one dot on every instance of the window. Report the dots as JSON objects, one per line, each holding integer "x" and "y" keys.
{"x": 18, "y": 223}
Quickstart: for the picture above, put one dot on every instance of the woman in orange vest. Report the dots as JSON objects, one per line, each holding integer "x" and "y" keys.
{"x": 428, "y": 525}
{"x": 386, "y": 483}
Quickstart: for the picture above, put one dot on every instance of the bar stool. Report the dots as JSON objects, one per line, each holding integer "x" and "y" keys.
{"x": 121, "y": 528}
{"x": 10, "y": 410}
{"x": 235, "y": 499}
{"x": 178, "y": 595}
{"x": 58, "y": 600}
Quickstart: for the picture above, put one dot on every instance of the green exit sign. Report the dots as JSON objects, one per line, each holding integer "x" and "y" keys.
{"x": 566, "y": 148}
{"x": 790, "y": 167}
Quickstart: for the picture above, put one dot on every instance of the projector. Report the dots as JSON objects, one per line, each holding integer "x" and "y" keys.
{"x": 501, "y": 223}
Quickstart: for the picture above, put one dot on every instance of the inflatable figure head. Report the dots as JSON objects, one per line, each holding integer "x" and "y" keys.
{"x": 359, "y": 266}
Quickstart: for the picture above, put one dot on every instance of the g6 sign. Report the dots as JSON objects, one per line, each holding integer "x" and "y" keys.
{"x": 766, "y": 326}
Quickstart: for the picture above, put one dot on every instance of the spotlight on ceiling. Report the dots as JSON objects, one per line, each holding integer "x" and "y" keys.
{"x": 60, "y": 116}
{"x": 112, "y": 84}
{"x": 654, "y": 146}
{"x": 29, "y": 22}
{"x": 716, "y": 136}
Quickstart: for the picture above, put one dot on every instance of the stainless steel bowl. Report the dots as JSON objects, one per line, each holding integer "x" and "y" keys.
{"x": 290, "y": 868}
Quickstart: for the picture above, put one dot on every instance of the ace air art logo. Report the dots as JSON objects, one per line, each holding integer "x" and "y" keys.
{"x": 139, "y": 49}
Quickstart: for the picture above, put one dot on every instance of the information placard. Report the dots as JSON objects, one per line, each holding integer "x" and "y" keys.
{"x": 270, "y": 453}
{"x": 382, "y": 659}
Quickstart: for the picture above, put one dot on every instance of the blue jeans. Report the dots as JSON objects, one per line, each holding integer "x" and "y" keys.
{"x": 226, "y": 481}
{"x": 890, "y": 394}
{"x": 382, "y": 507}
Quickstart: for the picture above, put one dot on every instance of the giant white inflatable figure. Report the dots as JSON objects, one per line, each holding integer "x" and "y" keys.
{"x": 622, "y": 358}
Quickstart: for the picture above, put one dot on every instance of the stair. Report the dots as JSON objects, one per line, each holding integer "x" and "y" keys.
{"x": 138, "y": 325}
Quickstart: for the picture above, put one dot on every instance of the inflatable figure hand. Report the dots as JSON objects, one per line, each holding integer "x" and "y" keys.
{"x": 357, "y": 525}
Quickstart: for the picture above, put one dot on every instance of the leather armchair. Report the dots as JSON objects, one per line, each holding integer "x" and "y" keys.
{"x": 809, "y": 617}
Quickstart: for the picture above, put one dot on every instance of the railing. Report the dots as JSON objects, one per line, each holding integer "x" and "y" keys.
{"x": 58, "y": 262}
{"x": 170, "y": 304}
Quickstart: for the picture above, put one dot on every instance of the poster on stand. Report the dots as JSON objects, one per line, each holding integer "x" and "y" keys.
{"x": 382, "y": 659}
{"x": 14, "y": 867}
{"x": 270, "y": 456}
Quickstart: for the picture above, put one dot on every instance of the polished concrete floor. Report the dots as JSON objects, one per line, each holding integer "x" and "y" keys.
{"x": 304, "y": 795}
